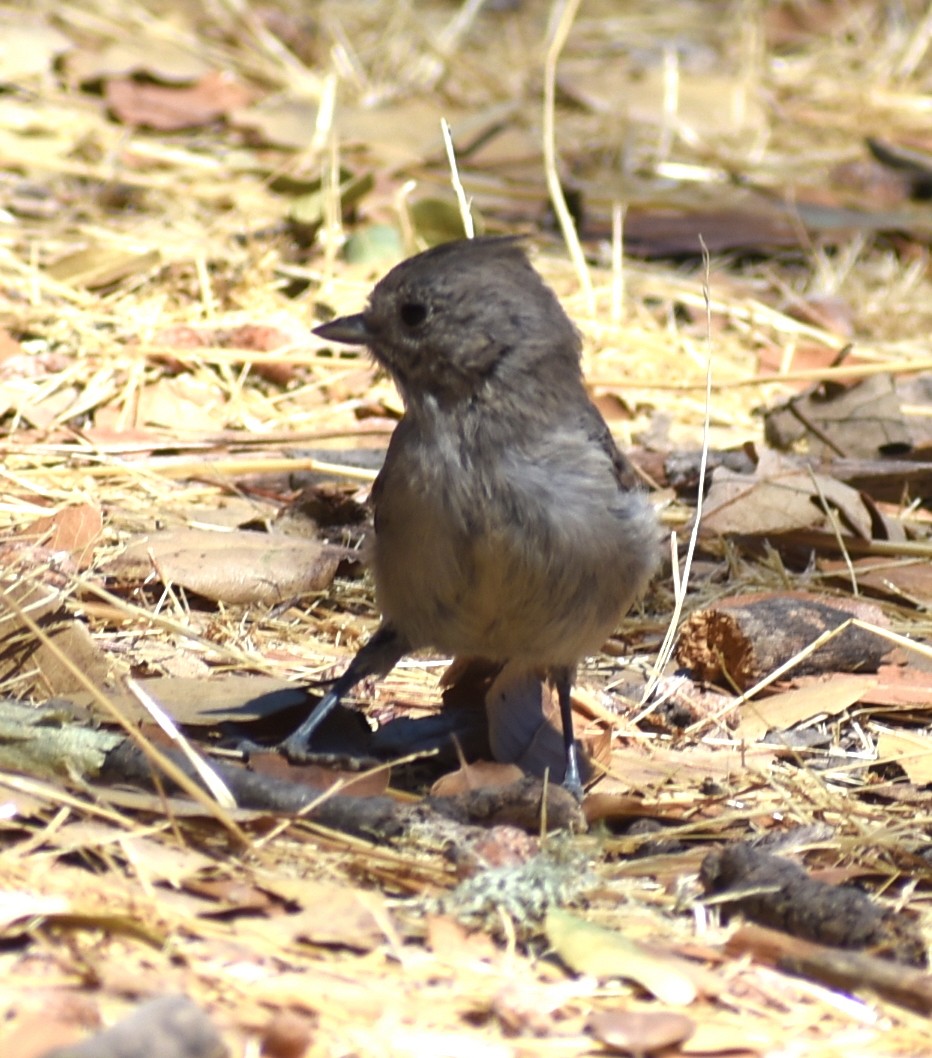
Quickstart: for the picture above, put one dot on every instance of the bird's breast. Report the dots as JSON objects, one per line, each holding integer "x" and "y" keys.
{"x": 506, "y": 552}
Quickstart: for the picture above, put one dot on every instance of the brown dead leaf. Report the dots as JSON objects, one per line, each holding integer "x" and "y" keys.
{"x": 807, "y": 356}
{"x": 638, "y": 768}
{"x": 168, "y": 108}
{"x": 195, "y": 401}
{"x": 912, "y": 750}
{"x": 900, "y": 687}
{"x": 137, "y": 54}
{"x": 863, "y": 420}
{"x": 830, "y": 312}
{"x": 826, "y": 696}
{"x": 73, "y": 529}
{"x": 265, "y": 338}
{"x": 619, "y": 807}
{"x": 331, "y": 915}
{"x": 35, "y": 665}
{"x": 65, "y": 1019}
{"x": 229, "y": 894}
{"x": 604, "y": 953}
{"x": 525, "y": 726}
{"x": 476, "y": 776}
{"x": 279, "y": 121}
{"x": 705, "y": 101}
{"x": 402, "y": 129}
{"x": 224, "y": 697}
{"x": 757, "y": 225}
{"x": 152, "y": 860}
{"x": 100, "y": 265}
{"x": 638, "y": 1032}
{"x": 10, "y": 352}
{"x": 450, "y": 941}
{"x": 734, "y": 1039}
{"x": 780, "y": 497}
{"x": 238, "y": 567}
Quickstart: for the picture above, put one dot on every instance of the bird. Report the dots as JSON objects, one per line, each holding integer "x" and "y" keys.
{"x": 507, "y": 523}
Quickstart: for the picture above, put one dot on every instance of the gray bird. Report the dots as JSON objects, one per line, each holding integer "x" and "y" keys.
{"x": 508, "y": 526}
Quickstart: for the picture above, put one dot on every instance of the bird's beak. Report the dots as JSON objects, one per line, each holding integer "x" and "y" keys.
{"x": 351, "y": 330}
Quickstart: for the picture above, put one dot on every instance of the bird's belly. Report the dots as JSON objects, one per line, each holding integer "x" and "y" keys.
{"x": 546, "y": 593}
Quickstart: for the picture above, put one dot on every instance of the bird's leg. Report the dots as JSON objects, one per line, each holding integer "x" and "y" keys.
{"x": 563, "y": 681}
{"x": 379, "y": 656}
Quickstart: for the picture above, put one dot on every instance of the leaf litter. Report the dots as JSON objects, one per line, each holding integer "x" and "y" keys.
{"x": 174, "y": 217}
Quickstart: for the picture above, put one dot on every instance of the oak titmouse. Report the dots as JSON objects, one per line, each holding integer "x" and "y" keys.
{"x": 507, "y": 524}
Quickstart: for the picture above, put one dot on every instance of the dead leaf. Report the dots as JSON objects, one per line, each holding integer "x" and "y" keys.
{"x": 637, "y": 768}
{"x": 829, "y": 697}
{"x": 152, "y": 860}
{"x": 195, "y": 401}
{"x": 728, "y": 1038}
{"x": 35, "y": 666}
{"x": 705, "y": 101}
{"x": 136, "y": 53}
{"x": 65, "y": 1019}
{"x": 75, "y": 529}
{"x": 778, "y": 498}
{"x": 98, "y": 265}
{"x": 605, "y": 953}
{"x": 475, "y": 776}
{"x": 229, "y": 894}
{"x": 223, "y": 698}
{"x": 337, "y": 916}
{"x": 238, "y": 567}
{"x": 619, "y": 807}
{"x": 408, "y": 128}
{"x": 664, "y": 232}
{"x": 525, "y": 726}
{"x": 450, "y": 941}
{"x": 285, "y": 121}
{"x": 640, "y": 1032}
{"x": 911, "y": 750}
{"x": 863, "y": 420}
{"x": 169, "y": 108}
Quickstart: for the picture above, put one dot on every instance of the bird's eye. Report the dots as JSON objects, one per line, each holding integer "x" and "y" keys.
{"x": 413, "y": 313}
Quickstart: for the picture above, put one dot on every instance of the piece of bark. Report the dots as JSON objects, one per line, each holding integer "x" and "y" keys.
{"x": 745, "y": 638}
{"x": 167, "y": 1027}
{"x": 521, "y": 804}
{"x": 47, "y": 742}
{"x": 847, "y": 970}
{"x": 778, "y": 893}
{"x": 885, "y": 479}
